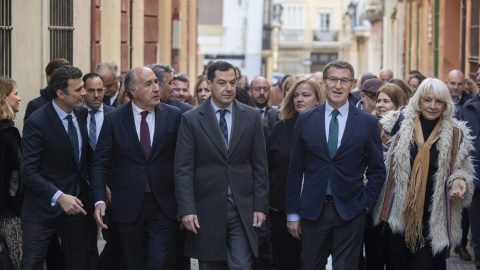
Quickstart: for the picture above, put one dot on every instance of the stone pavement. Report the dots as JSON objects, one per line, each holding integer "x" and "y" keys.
{"x": 453, "y": 263}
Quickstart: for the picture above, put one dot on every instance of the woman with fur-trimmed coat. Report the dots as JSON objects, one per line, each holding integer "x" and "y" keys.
{"x": 429, "y": 178}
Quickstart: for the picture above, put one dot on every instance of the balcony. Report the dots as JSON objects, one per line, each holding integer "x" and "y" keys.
{"x": 291, "y": 35}
{"x": 319, "y": 35}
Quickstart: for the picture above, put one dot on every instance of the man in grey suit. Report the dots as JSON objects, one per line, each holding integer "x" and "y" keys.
{"x": 221, "y": 180}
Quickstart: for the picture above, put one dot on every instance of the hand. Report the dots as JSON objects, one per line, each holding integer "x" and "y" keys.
{"x": 258, "y": 219}
{"x": 294, "y": 229}
{"x": 109, "y": 197}
{"x": 71, "y": 204}
{"x": 458, "y": 189}
{"x": 99, "y": 213}
{"x": 191, "y": 222}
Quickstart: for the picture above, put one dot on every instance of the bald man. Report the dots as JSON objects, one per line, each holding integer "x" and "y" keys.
{"x": 259, "y": 94}
{"x": 318, "y": 76}
{"x": 456, "y": 83}
{"x": 385, "y": 75}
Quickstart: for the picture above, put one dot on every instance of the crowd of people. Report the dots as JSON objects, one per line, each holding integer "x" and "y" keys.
{"x": 377, "y": 174}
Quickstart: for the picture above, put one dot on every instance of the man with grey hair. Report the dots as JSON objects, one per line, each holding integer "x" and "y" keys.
{"x": 164, "y": 75}
{"x": 137, "y": 144}
{"x": 111, "y": 81}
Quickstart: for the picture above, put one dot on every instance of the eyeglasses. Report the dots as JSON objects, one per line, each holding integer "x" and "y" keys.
{"x": 344, "y": 81}
{"x": 265, "y": 89}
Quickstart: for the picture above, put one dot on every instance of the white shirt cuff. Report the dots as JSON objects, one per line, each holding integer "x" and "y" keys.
{"x": 293, "y": 217}
{"x": 55, "y": 197}
{"x": 99, "y": 202}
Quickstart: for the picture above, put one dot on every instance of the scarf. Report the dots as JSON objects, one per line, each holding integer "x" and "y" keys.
{"x": 415, "y": 200}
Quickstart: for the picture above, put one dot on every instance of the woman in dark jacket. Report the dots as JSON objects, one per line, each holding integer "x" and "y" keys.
{"x": 10, "y": 184}
{"x": 305, "y": 94}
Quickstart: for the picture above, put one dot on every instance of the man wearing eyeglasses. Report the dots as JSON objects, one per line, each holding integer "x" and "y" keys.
{"x": 259, "y": 94}
{"x": 327, "y": 201}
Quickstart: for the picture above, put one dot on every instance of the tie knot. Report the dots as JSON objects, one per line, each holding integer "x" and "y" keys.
{"x": 261, "y": 111}
{"x": 93, "y": 112}
{"x": 144, "y": 114}
{"x": 69, "y": 117}
{"x": 222, "y": 112}
{"x": 335, "y": 113}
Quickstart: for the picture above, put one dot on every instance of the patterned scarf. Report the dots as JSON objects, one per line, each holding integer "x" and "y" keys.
{"x": 414, "y": 203}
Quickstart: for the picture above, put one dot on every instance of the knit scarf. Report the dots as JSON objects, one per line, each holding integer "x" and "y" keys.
{"x": 414, "y": 203}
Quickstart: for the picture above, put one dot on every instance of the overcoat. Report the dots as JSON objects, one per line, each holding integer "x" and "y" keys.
{"x": 205, "y": 166}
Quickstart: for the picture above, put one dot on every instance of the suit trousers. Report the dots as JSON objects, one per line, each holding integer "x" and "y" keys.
{"x": 74, "y": 235}
{"x": 329, "y": 234}
{"x": 239, "y": 253}
{"x": 149, "y": 242}
{"x": 111, "y": 257}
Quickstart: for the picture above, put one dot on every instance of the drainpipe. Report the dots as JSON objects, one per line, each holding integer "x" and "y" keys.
{"x": 464, "y": 22}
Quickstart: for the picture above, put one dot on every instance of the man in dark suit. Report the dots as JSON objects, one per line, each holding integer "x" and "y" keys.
{"x": 164, "y": 75}
{"x": 138, "y": 141}
{"x": 221, "y": 181}
{"x": 111, "y": 81}
{"x": 95, "y": 110}
{"x": 53, "y": 169}
{"x": 332, "y": 146}
{"x": 181, "y": 90}
{"x": 260, "y": 93}
{"x": 44, "y": 97}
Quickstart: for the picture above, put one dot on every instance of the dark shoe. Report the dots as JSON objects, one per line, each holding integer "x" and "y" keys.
{"x": 463, "y": 254}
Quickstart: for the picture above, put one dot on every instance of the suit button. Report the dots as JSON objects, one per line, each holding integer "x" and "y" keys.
{"x": 331, "y": 163}
{"x": 325, "y": 183}
{"x": 223, "y": 194}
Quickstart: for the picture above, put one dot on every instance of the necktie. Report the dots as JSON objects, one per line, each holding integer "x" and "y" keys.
{"x": 92, "y": 134}
{"x": 223, "y": 125}
{"x": 145, "y": 140}
{"x": 332, "y": 140}
{"x": 261, "y": 114}
{"x": 73, "y": 136}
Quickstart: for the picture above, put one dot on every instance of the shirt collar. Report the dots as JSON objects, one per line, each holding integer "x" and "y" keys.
{"x": 342, "y": 110}
{"x": 216, "y": 108}
{"x": 60, "y": 112}
{"x": 137, "y": 110}
{"x": 98, "y": 110}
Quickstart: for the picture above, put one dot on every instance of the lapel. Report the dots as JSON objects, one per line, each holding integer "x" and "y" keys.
{"x": 58, "y": 128}
{"x": 160, "y": 119}
{"x": 349, "y": 127}
{"x": 129, "y": 123}
{"x": 208, "y": 121}
{"x": 321, "y": 125}
{"x": 240, "y": 121}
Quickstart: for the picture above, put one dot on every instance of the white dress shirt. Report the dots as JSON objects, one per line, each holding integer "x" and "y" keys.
{"x": 138, "y": 118}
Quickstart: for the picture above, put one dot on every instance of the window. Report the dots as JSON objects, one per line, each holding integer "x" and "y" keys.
{"x": 6, "y": 38}
{"x": 324, "y": 22}
{"x": 293, "y": 22}
{"x": 473, "y": 58}
{"x": 61, "y": 29}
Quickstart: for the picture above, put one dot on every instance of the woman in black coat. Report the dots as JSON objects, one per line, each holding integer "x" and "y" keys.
{"x": 10, "y": 184}
{"x": 304, "y": 94}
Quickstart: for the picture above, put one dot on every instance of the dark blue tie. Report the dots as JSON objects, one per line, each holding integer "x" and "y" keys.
{"x": 73, "y": 136}
{"x": 332, "y": 140}
{"x": 223, "y": 125}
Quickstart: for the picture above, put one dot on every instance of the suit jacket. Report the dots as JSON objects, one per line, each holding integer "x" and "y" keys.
{"x": 204, "y": 168}
{"x": 470, "y": 112}
{"x": 48, "y": 164}
{"x": 119, "y": 149}
{"x": 181, "y": 105}
{"x": 37, "y": 103}
{"x": 310, "y": 160}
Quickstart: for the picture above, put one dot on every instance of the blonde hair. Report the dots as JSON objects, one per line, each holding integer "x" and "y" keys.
{"x": 6, "y": 87}
{"x": 439, "y": 90}
{"x": 121, "y": 95}
{"x": 472, "y": 86}
{"x": 288, "y": 109}
{"x": 289, "y": 82}
{"x": 202, "y": 78}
